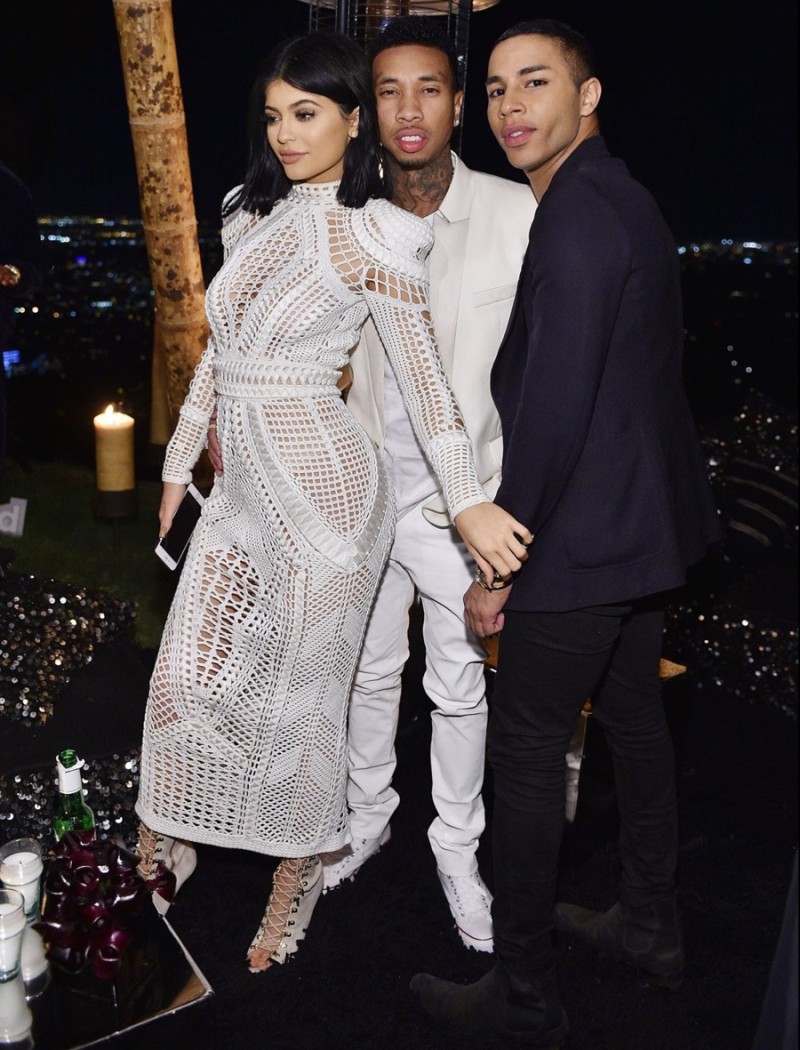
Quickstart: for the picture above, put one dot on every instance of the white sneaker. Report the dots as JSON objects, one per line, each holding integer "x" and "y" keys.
{"x": 345, "y": 863}
{"x": 471, "y": 905}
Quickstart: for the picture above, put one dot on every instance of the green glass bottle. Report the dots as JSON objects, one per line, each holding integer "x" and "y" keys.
{"x": 72, "y": 813}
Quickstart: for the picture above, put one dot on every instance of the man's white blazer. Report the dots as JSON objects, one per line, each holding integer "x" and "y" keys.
{"x": 480, "y": 237}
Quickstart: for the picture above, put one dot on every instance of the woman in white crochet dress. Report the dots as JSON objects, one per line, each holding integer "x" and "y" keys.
{"x": 245, "y": 732}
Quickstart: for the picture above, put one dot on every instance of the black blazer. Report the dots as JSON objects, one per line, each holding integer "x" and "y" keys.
{"x": 601, "y": 456}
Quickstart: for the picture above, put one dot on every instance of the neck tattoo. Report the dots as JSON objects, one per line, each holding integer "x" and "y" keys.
{"x": 422, "y": 190}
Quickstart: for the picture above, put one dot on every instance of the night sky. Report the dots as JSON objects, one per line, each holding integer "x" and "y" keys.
{"x": 700, "y": 99}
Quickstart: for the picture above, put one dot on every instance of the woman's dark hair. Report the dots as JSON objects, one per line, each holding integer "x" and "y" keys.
{"x": 324, "y": 63}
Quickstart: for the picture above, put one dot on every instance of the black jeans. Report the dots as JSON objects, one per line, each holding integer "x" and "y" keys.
{"x": 548, "y": 665}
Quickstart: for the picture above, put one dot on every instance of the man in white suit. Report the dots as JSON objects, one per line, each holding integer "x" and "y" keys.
{"x": 481, "y": 226}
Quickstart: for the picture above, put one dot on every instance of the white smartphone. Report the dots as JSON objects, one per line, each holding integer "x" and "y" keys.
{"x": 172, "y": 547}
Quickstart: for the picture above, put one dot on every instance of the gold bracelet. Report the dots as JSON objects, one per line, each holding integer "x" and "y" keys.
{"x": 499, "y": 583}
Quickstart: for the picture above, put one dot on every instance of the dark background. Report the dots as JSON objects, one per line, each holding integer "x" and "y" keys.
{"x": 699, "y": 98}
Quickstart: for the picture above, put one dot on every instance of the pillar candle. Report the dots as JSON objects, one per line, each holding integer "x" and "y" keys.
{"x": 113, "y": 442}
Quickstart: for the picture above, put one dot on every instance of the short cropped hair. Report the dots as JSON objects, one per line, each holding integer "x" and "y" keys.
{"x": 417, "y": 31}
{"x": 576, "y": 49}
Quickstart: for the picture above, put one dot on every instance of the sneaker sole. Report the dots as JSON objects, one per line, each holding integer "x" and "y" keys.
{"x": 474, "y": 943}
{"x": 382, "y": 841}
{"x": 478, "y": 944}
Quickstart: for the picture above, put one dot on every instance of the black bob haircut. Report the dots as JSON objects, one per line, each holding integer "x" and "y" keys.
{"x": 328, "y": 64}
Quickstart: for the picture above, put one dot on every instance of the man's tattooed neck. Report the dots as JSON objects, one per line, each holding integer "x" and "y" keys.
{"x": 421, "y": 191}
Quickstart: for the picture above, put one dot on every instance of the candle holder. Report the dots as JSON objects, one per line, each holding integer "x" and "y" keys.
{"x": 115, "y": 496}
{"x": 16, "y": 1019}
{"x": 115, "y": 506}
{"x": 21, "y": 868}
{"x": 12, "y": 926}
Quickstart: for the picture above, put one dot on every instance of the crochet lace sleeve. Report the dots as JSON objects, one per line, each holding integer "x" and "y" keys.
{"x": 189, "y": 437}
{"x": 395, "y": 284}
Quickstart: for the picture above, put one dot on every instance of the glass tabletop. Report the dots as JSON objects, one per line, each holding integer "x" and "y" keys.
{"x": 158, "y": 978}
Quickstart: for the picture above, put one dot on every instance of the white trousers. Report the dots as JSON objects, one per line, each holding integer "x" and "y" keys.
{"x": 436, "y": 563}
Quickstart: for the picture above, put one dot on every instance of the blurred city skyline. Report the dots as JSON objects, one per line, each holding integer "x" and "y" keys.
{"x": 700, "y": 101}
{"x": 85, "y": 339}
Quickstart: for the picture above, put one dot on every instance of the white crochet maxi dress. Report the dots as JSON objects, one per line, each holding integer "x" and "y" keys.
{"x": 245, "y": 731}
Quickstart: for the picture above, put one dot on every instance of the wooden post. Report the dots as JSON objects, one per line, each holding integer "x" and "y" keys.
{"x": 161, "y": 422}
{"x": 158, "y": 127}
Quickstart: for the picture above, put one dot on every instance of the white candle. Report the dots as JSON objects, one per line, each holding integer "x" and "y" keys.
{"x": 22, "y": 871}
{"x": 33, "y": 961}
{"x": 16, "y": 1019}
{"x": 113, "y": 447}
{"x": 12, "y": 925}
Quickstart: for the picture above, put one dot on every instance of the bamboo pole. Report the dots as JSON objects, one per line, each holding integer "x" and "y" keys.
{"x": 158, "y": 128}
{"x": 161, "y": 422}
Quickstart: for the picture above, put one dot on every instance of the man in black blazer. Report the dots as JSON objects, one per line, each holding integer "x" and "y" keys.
{"x": 602, "y": 462}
